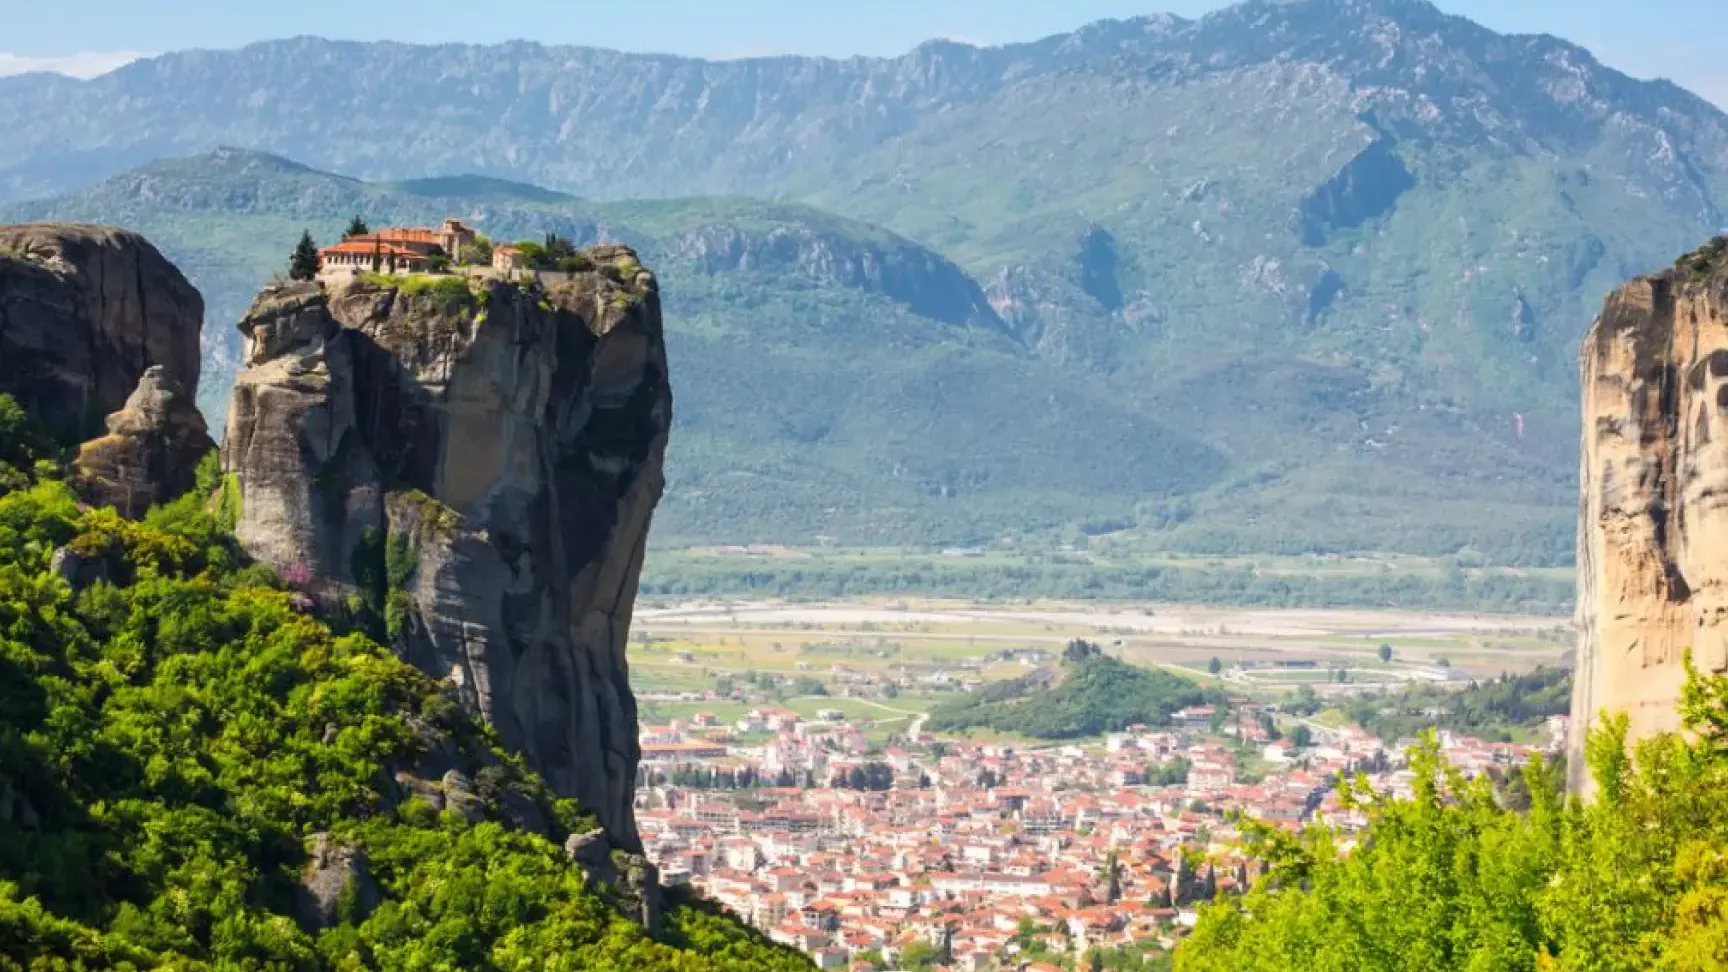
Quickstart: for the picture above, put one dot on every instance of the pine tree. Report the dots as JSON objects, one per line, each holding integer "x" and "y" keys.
{"x": 303, "y": 265}
{"x": 356, "y": 228}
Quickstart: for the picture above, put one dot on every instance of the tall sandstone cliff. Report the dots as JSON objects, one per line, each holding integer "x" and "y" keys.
{"x": 1653, "y": 515}
{"x": 95, "y": 323}
{"x": 470, "y": 467}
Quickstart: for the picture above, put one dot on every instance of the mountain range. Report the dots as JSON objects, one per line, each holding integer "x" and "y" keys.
{"x": 1294, "y": 276}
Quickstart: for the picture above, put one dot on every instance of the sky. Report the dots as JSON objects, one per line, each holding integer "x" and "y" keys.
{"x": 1682, "y": 40}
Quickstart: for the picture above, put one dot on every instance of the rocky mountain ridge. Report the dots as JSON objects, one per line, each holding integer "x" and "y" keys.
{"x": 737, "y": 118}
{"x": 1337, "y": 254}
{"x": 851, "y": 383}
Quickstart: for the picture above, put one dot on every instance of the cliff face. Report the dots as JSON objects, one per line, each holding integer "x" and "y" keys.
{"x": 1653, "y": 517}
{"x": 84, "y": 310}
{"x": 471, "y": 469}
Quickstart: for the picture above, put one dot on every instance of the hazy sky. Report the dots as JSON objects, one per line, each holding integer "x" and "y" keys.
{"x": 1685, "y": 40}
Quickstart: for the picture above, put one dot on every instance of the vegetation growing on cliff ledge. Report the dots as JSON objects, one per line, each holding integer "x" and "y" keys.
{"x": 1704, "y": 261}
{"x": 1450, "y": 880}
{"x": 451, "y": 290}
{"x": 175, "y": 728}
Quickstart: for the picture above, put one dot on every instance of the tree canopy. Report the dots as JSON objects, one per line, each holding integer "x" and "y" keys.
{"x": 1449, "y": 879}
{"x": 1494, "y": 709}
{"x": 174, "y": 730}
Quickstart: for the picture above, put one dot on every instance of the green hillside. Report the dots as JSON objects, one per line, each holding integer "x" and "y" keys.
{"x": 1293, "y": 277}
{"x": 1494, "y": 709}
{"x": 1096, "y": 694}
{"x": 178, "y": 741}
{"x": 833, "y": 379}
{"x": 838, "y": 383}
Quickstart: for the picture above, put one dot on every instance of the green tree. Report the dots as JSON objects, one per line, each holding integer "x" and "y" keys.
{"x": 1111, "y": 873}
{"x": 179, "y": 732}
{"x": 478, "y": 252}
{"x": 920, "y": 956}
{"x": 1452, "y": 880}
{"x": 356, "y": 227}
{"x": 1173, "y": 773}
{"x": 1302, "y": 737}
{"x": 303, "y": 264}
{"x": 1215, "y": 666}
{"x": 1385, "y": 654}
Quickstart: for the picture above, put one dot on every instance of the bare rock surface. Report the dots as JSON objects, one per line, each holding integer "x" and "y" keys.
{"x": 336, "y": 885}
{"x": 1653, "y": 516}
{"x": 84, "y": 311}
{"x": 151, "y": 452}
{"x": 470, "y": 467}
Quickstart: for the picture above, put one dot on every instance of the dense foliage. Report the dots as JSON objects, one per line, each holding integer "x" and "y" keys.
{"x": 1096, "y": 694}
{"x": 1634, "y": 881}
{"x": 1493, "y": 710}
{"x": 173, "y": 732}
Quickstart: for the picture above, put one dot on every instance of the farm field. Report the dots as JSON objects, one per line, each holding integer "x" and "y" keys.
{"x": 683, "y": 646}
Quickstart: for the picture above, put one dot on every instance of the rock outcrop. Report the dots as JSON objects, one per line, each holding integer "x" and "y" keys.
{"x": 336, "y": 885}
{"x": 470, "y": 467}
{"x": 1653, "y": 517}
{"x": 84, "y": 311}
{"x": 151, "y": 452}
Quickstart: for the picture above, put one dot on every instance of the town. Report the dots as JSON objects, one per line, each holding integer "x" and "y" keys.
{"x": 991, "y": 855}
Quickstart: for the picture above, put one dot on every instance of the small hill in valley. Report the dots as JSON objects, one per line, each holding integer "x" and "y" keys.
{"x": 1095, "y": 694}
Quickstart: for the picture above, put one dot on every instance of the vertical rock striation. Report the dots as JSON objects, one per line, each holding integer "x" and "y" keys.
{"x": 470, "y": 467}
{"x": 1653, "y": 515}
{"x": 84, "y": 310}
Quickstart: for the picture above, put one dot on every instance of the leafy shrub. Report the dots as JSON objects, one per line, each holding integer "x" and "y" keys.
{"x": 1636, "y": 879}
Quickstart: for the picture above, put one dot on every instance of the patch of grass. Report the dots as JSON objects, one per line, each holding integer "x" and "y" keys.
{"x": 446, "y": 288}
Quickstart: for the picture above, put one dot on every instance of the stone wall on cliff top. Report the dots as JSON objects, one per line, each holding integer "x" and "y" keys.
{"x": 471, "y": 467}
{"x": 1653, "y": 512}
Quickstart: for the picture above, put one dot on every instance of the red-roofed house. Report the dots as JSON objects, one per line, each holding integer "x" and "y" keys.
{"x": 401, "y": 249}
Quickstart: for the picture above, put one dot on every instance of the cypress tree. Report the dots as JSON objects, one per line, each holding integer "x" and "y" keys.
{"x": 303, "y": 265}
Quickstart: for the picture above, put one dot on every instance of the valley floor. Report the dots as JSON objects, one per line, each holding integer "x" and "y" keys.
{"x": 959, "y": 640}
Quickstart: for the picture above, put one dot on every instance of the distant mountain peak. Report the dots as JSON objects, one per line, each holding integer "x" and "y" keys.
{"x": 235, "y": 157}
